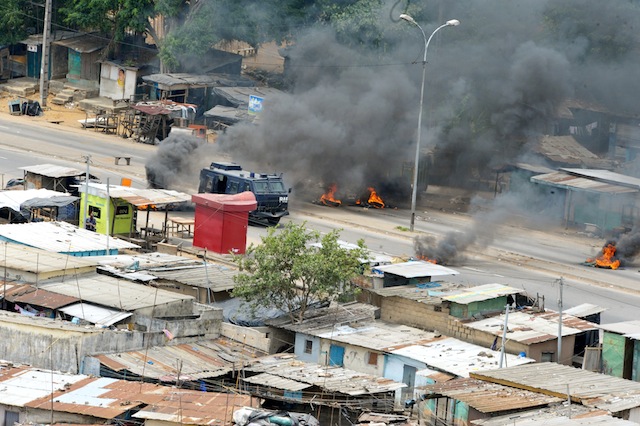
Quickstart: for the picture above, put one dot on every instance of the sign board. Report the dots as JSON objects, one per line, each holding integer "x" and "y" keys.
{"x": 255, "y": 104}
{"x": 32, "y": 47}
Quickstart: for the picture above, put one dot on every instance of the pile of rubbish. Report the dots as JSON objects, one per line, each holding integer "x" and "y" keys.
{"x": 247, "y": 416}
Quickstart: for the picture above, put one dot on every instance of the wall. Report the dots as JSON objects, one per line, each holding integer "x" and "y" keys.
{"x": 484, "y": 306}
{"x": 112, "y": 83}
{"x": 613, "y": 354}
{"x": 121, "y": 223}
{"x": 39, "y": 416}
{"x": 314, "y": 356}
{"x": 251, "y": 336}
{"x": 355, "y": 358}
{"x": 40, "y": 340}
{"x": 424, "y": 316}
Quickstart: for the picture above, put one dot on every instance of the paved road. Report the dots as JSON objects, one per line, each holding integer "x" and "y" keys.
{"x": 517, "y": 256}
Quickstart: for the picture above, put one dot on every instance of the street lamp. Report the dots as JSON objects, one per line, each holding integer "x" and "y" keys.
{"x": 414, "y": 193}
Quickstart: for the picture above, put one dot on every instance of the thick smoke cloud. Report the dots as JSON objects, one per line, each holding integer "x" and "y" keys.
{"x": 493, "y": 86}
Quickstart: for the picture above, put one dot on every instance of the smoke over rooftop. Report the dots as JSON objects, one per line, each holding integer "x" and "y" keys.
{"x": 493, "y": 87}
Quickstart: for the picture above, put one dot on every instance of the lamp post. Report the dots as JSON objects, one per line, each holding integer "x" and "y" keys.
{"x": 414, "y": 192}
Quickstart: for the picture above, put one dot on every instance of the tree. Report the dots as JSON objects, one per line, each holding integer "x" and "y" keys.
{"x": 287, "y": 272}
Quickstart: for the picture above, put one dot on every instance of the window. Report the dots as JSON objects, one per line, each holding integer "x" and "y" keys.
{"x": 308, "y": 346}
{"x": 95, "y": 211}
{"x": 547, "y": 357}
{"x": 372, "y": 358}
{"x": 233, "y": 188}
{"x": 261, "y": 187}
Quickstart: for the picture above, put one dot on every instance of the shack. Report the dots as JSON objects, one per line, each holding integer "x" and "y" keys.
{"x": 115, "y": 207}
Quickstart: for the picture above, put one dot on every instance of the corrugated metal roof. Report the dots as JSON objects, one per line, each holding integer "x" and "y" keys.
{"x": 481, "y": 293}
{"x": 20, "y": 258}
{"x": 204, "y": 359}
{"x": 120, "y": 294}
{"x": 376, "y": 335}
{"x": 530, "y": 327}
{"x": 623, "y": 327}
{"x": 606, "y": 176}
{"x": 429, "y": 293}
{"x": 52, "y": 170}
{"x": 95, "y": 314}
{"x": 196, "y": 408}
{"x": 567, "y": 181}
{"x": 277, "y": 382}
{"x": 556, "y": 415}
{"x": 32, "y": 295}
{"x": 14, "y": 199}
{"x": 99, "y": 397}
{"x": 215, "y": 277}
{"x": 207, "y": 80}
{"x": 85, "y": 43}
{"x": 584, "y": 310}
{"x": 457, "y": 357}
{"x": 534, "y": 168}
{"x": 136, "y": 196}
{"x": 331, "y": 378}
{"x": 61, "y": 237}
{"x": 332, "y": 316}
{"x": 416, "y": 269}
{"x": 22, "y": 385}
{"x": 564, "y": 149}
{"x": 586, "y": 387}
{"x": 490, "y": 398}
{"x": 143, "y": 261}
{"x": 373, "y": 258}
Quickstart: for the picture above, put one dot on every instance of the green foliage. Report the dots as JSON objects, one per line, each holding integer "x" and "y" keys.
{"x": 286, "y": 272}
{"x": 19, "y": 18}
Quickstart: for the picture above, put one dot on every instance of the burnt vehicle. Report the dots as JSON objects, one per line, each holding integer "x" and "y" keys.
{"x": 229, "y": 178}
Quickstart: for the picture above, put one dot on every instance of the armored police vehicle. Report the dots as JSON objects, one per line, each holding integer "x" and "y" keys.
{"x": 269, "y": 189}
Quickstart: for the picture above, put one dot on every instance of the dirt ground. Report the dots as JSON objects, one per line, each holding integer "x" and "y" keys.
{"x": 64, "y": 115}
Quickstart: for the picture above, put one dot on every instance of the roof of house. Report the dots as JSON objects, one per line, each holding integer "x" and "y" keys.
{"x": 435, "y": 292}
{"x": 115, "y": 293}
{"x": 136, "y": 196}
{"x": 375, "y": 335}
{"x": 84, "y": 43}
{"x": 45, "y": 325}
{"x": 556, "y": 415}
{"x": 95, "y": 314}
{"x": 624, "y": 327}
{"x": 20, "y": 199}
{"x": 416, "y": 269}
{"x": 564, "y": 149}
{"x": 204, "y": 359}
{"x": 480, "y": 293}
{"x": 584, "y": 310}
{"x": 606, "y": 176}
{"x": 32, "y": 295}
{"x": 489, "y": 398}
{"x": 330, "y": 316}
{"x": 457, "y": 357}
{"x": 107, "y": 398}
{"x": 207, "y": 80}
{"x": 196, "y": 408}
{"x": 578, "y": 183}
{"x": 330, "y": 378}
{"x": 61, "y": 237}
{"x": 52, "y": 170}
{"x": 585, "y": 387}
{"x": 21, "y": 259}
{"x": 530, "y": 327}
{"x": 212, "y": 276}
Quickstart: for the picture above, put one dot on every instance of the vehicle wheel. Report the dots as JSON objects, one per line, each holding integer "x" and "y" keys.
{"x": 273, "y": 221}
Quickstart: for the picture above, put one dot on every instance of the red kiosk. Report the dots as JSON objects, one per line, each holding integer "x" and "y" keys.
{"x": 221, "y": 221}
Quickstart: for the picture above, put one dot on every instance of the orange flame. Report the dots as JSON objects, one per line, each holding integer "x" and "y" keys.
{"x": 328, "y": 198}
{"x": 606, "y": 259}
{"x": 374, "y": 199}
{"x": 426, "y": 259}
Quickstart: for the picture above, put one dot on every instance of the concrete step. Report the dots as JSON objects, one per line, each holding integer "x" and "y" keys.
{"x": 18, "y": 91}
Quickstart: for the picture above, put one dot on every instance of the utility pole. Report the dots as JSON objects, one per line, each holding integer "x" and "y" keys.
{"x": 561, "y": 283}
{"x": 44, "y": 69}
{"x": 87, "y": 159}
{"x": 504, "y": 334}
